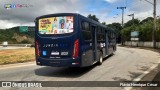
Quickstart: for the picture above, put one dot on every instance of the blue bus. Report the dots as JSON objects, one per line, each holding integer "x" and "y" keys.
{"x": 72, "y": 40}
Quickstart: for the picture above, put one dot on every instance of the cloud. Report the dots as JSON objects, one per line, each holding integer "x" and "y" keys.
{"x": 141, "y": 9}
{"x": 112, "y": 1}
{"x": 105, "y": 10}
{"x": 22, "y": 16}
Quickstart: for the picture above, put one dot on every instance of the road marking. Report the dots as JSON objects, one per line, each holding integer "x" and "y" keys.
{"x": 141, "y": 76}
{"x": 18, "y": 65}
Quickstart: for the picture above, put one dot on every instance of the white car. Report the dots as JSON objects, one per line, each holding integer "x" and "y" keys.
{"x": 5, "y": 44}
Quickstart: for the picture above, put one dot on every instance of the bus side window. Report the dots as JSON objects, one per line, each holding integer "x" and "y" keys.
{"x": 87, "y": 35}
{"x": 85, "y": 26}
{"x": 99, "y": 30}
{"x": 111, "y": 35}
{"x": 103, "y": 36}
{"x": 103, "y": 31}
{"x": 100, "y": 35}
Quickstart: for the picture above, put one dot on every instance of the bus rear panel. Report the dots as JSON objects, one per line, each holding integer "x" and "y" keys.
{"x": 57, "y": 41}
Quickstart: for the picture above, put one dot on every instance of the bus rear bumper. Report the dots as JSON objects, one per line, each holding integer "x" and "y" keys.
{"x": 59, "y": 62}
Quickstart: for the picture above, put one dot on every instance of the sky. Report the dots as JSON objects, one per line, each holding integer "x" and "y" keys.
{"x": 105, "y": 10}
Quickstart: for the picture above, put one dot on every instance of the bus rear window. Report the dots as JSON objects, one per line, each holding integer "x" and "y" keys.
{"x": 56, "y": 25}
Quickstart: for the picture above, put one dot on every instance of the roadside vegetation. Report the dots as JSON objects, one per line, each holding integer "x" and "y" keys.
{"x": 144, "y": 27}
{"x": 16, "y": 56}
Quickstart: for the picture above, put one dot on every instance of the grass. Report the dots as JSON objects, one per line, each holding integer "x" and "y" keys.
{"x": 16, "y": 56}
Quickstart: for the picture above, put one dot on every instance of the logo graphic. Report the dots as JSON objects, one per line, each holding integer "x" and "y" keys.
{"x": 6, "y": 84}
{"x": 8, "y": 6}
{"x": 44, "y": 53}
{"x": 19, "y": 5}
{"x": 14, "y": 6}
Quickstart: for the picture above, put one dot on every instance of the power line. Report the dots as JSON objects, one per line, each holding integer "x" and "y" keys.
{"x": 126, "y": 3}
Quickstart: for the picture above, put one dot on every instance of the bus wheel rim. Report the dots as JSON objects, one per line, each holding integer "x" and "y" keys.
{"x": 101, "y": 59}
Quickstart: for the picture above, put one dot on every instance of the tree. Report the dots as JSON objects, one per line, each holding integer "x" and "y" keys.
{"x": 149, "y": 19}
{"x": 145, "y": 32}
{"x": 93, "y": 17}
{"x": 117, "y": 27}
{"x": 104, "y": 23}
{"x": 126, "y": 33}
{"x": 144, "y": 27}
{"x": 132, "y": 22}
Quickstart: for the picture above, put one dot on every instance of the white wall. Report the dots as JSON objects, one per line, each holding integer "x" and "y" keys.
{"x": 142, "y": 44}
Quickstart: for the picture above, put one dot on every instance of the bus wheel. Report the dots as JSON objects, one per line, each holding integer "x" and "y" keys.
{"x": 100, "y": 59}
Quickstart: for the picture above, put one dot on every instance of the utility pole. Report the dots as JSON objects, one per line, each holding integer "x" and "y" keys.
{"x": 122, "y": 13}
{"x": 132, "y": 17}
{"x": 154, "y": 30}
{"x": 154, "y": 22}
{"x": 122, "y": 21}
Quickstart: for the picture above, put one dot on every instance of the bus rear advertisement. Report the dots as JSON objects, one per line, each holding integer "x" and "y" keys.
{"x": 71, "y": 40}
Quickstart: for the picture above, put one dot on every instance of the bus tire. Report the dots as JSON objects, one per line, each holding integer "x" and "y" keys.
{"x": 100, "y": 59}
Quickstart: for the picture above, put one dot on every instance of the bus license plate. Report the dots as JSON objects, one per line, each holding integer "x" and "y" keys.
{"x": 64, "y": 53}
{"x": 54, "y": 53}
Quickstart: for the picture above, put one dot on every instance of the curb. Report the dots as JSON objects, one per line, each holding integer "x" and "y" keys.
{"x": 17, "y": 65}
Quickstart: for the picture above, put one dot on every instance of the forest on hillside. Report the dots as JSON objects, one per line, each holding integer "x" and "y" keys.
{"x": 14, "y": 36}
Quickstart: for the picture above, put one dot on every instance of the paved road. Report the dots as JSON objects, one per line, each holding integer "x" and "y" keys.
{"x": 125, "y": 64}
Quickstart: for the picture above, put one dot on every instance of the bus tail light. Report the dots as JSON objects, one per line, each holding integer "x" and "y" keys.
{"x": 76, "y": 49}
{"x": 37, "y": 49}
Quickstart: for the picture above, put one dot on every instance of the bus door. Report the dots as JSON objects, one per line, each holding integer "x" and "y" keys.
{"x": 94, "y": 43}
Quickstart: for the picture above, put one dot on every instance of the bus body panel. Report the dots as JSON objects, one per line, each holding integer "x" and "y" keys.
{"x": 60, "y": 45}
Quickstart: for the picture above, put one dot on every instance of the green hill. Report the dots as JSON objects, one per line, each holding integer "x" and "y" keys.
{"x": 13, "y": 36}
